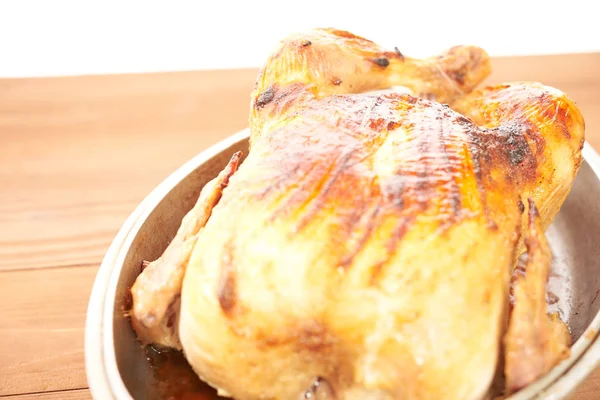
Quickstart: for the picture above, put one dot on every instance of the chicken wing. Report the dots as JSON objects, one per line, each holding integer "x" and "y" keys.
{"x": 157, "y": 290}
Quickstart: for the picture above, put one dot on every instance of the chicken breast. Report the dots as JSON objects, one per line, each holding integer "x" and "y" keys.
{"x": 364, "y": 247}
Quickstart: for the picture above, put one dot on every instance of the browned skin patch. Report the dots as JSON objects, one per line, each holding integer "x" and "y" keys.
{"x": 265, "y": 97}
{"x": 534, "y": 135}
{"x": 227, "y": 290}
{"x": 310, "y": 336}
{"x": 284, "y": 99}
{"x": 559, "y": 115}
{"x": 381, "y": 61}
{"x": 475, "y": 157}
{"x": 314, "y": 337}
{"x": 457, "y": 76}
{"x": 508, "y": 143}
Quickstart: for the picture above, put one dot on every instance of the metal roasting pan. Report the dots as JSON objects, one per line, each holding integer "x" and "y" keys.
{"x": 117, "y": 367}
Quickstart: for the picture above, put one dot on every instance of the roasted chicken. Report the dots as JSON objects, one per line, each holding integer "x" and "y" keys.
{"x": 535, "y": 341}
{"x": 364, "y": 248}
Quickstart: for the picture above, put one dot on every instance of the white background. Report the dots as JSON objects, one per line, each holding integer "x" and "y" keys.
{"x": 42, "y": 38}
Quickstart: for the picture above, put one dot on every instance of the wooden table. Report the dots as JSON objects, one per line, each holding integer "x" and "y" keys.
{"x": 78, "y": 154}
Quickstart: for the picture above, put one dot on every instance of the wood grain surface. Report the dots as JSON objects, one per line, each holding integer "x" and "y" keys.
{"x": 76, "y": 394}
{"x": 78, "y": 154}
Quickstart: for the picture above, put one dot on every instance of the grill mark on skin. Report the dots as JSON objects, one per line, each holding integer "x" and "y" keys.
{"x": 281, "y": 179}
{"x": 372, "y": 132}
{"x": 302, "y": 194}
{"x": 316, "y": 203}
{"x": 531, "y": 133}
{"x": 397, "y": 234}
{"x": 474, "y": 143}
{"x": 396, "y": 198}
{"x": 349, "y": 221}
{"x": 398, "y": 186}
{"x": 227, "y": 287}
{"x": 455, "y": 200}
{"x": 370, "y": 225}
{"x": 521, "y": 206}
{"x": 375, "y": 130}
{"x": 383, "y": 127}
{"x": 423, "y": 187}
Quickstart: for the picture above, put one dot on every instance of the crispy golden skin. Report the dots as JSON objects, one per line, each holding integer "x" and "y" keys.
{"x": 366, "y": 242}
